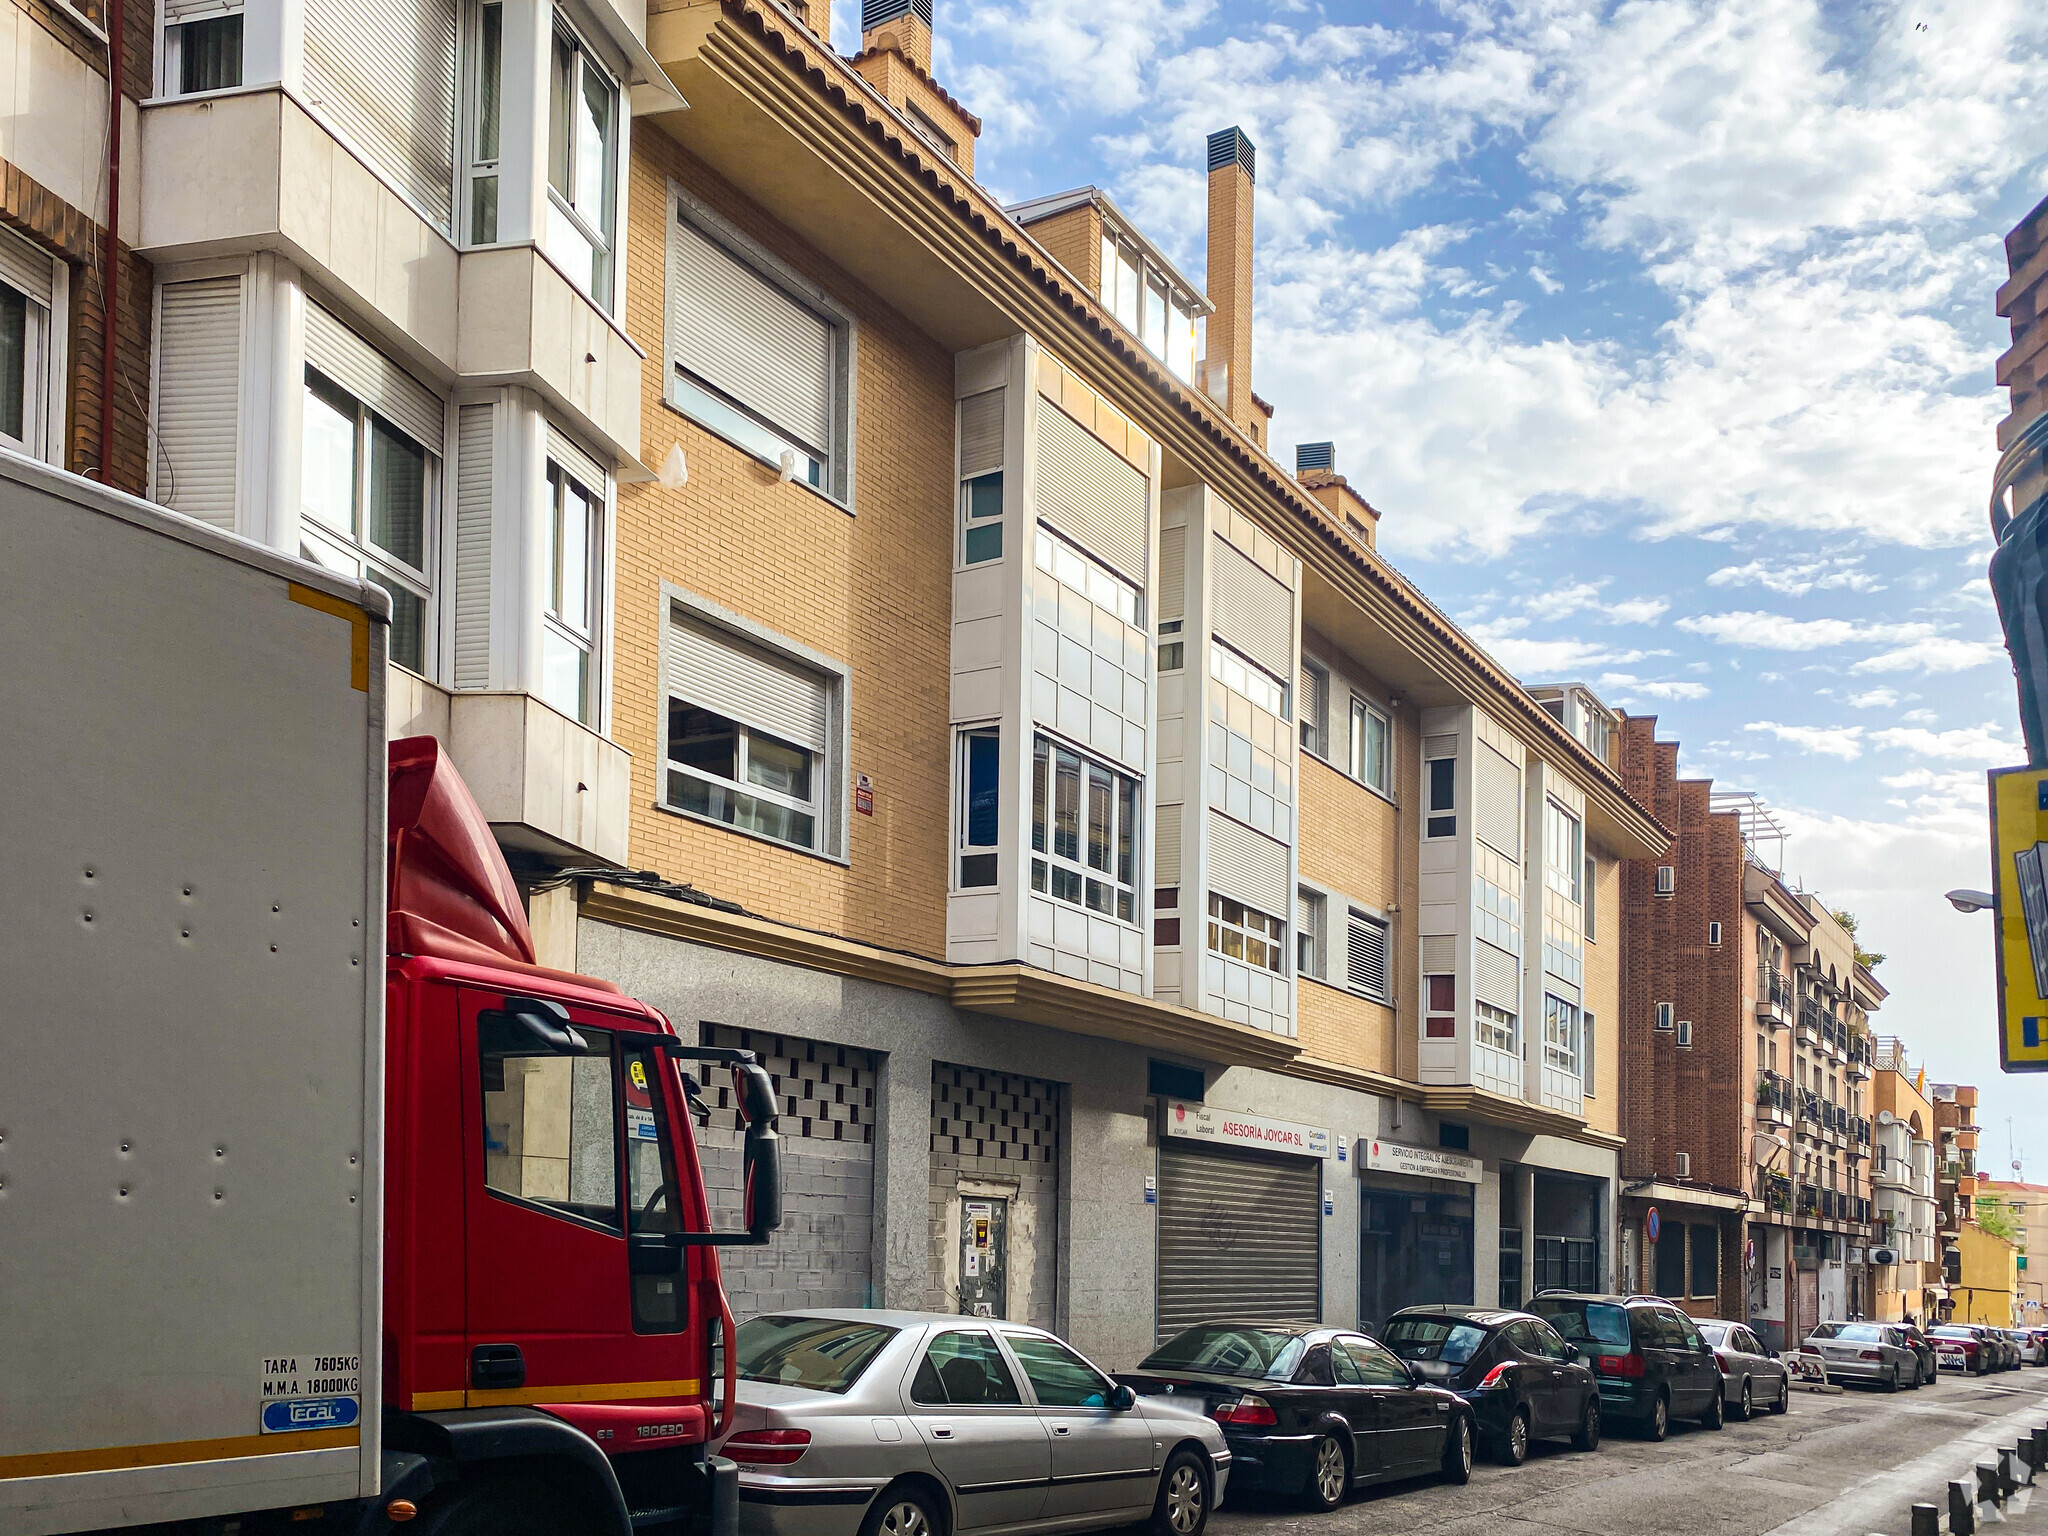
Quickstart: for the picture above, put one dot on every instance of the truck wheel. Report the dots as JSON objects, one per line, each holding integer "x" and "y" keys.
{"x": 496, "y": 1507}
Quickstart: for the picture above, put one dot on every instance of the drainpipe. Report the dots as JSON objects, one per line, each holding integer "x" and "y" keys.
{"x": 110, "y": 280}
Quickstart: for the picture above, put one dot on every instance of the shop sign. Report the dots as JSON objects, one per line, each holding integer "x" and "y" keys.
{"x": 1421, "y": 1162}
{"x": 1226, "y": 1127}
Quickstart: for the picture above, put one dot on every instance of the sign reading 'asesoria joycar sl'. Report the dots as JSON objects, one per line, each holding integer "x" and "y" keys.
{"x": 1421, "y": 1162}
{"x": 1227, "y": 1127}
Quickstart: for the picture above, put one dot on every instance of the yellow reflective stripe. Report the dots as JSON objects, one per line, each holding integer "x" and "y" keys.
{"x": 603, "y": 1392}
{"x": 175, "y": 1453}
{"x": 359, "y": 626}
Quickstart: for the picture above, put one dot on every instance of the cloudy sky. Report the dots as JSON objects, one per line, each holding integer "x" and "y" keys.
{"x": 1662, "y": 334}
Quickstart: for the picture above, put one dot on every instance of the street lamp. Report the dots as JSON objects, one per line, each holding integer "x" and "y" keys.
{"x": 1971, "y": 901}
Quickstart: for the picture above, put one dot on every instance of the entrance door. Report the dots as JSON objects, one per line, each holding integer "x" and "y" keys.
{"x": 1240, "y": 1235}
{"x": 985, "y": 1257}
{"x": 552, "y": 1193}
{"x": 1415, "y": 1248}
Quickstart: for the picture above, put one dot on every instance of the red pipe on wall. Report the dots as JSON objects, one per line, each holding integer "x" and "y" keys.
{"x": 110, "y": 280}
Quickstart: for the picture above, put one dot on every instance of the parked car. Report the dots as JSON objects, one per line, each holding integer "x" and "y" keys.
{"x": 1878, "y": 1353}
{"x": 1751, "y": 1376}
{"x": 2031, "y": 1350}
{"x": 1959, "y": 1347}
{"x": 1310, "y": 1412}
{"x": 1523, "y": 1380}
{"x": 919, "y": 1424}
{"x": 1651, "y": 1359}
{"x": 2006, "y": 1358}
{"x": 1923, "y": 1347}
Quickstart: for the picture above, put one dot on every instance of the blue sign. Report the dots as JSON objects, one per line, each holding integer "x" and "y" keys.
{"x": 287, "y": 1414}
{"x": 1652, "y": 1225}
{"x": 1329, "y": 1203}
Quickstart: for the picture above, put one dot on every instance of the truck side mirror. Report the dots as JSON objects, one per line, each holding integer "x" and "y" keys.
{"x": 762, "y": 1158}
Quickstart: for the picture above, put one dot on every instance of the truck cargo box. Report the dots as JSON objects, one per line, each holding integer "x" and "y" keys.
{"x": 192, "y": 771}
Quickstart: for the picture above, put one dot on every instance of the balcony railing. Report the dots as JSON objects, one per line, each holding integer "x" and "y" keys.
{"x": 1774, "y": 1096}
{"x": 1774, "y": 999}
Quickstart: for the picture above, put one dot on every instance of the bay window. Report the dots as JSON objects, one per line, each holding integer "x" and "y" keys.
{"x": 1497, "y": 1026}
{"x": 568, "y": 645}
{"x": 1084, "y": 831}
{"x": 366, "y": 502}
{"x": 486, "y": 119}
{"x": 583, "y": 151}
{"x": 1239, "y": 932}
{"x": 201, "y": 52}
{"x": 1564, "y": 851}
{"x": 980, "y": 776}
{"x": 1561, "y": 1034}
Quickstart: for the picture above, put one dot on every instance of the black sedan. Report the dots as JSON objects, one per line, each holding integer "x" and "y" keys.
{"x": 1312, "y": 1412}
{"x": 1522, "y": 1379}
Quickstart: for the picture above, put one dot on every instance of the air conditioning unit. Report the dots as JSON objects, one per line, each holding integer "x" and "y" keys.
{"x": 1684, "y": 1158}
{"x": 1685, "y": 1033}
{"x": 1667, "y": 879}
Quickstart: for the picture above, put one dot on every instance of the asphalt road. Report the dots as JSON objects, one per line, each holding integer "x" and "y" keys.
{"x": 1852, "y": 1462}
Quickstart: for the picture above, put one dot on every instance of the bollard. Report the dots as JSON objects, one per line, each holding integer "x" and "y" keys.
{"x": 1926, "y": 1520}
{"x": 2007, "y": 1463}
{"x": 1962, "y": 1509}
{"x": 1989, "y": 1489}
{"x": 2023, "y": 1462}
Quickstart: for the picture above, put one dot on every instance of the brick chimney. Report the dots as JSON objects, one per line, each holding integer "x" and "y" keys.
{"x": 1227, "y": 369}
{"x": 896, "y": 59}
{"x": 1315, "y": 470}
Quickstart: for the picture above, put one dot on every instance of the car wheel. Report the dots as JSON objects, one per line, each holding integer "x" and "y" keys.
{"x": 904, "y": 1511}
{"x": 1457, "y": 1467}
{"x": 1714, "y": 1418}
{"x": 1330, "y": 1478}
{"x": 1782, "y": 1403}
{"x": 1182, "y": 1508}
{"x": 1511, "y": 1446}
{"x": 1660, "y": 1419}
{"x": 1742, "y": 1408}
{"x": 1587, "y": 1436}
{"x": 1891, "y": 1382}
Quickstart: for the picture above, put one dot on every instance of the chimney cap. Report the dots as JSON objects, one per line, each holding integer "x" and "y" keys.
{"x": 1314, "y": 456}
{"x": 1229, "y": 147}
{"x": 873, "y": 13}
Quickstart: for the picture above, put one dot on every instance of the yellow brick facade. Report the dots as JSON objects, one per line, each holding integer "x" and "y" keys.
{"x": 870, "y": 588}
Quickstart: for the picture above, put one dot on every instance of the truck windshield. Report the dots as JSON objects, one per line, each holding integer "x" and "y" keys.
{"x": 822, "y": 1353}
{"x": 1229, "y": 1351}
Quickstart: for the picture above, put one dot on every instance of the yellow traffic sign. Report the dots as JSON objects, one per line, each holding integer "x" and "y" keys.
{"x": 2019, "y": 859}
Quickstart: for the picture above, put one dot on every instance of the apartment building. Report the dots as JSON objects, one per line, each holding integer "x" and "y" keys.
{"x": 1745, "y": 1100}
{"x": 1151, "y": 905}
{"x": 1907, "y": 1259}
{"x": 2024, "y": 1208}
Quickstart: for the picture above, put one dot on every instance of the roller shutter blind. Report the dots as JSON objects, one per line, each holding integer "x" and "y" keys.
{"x": 473, "y": 446}
{"x": 1496, "y": 976}
{"x": 1091, "y": 495}
{"x": 1248, "y": 865}
{"x": 28, "y": 268}
{"x": 1166, "y": 861}
{"x": 719, "y": 671}
{"x": 1173, "y": 573}
{"x": 981, "y": 434}
{"x": 1254, "y": 613}
{"x": 383, "y": 72}
{"x": 198, "y": 397}
{"x": 1588, "y": 1033}
{"x": 1439, "y": 954}
{"x": 1497, "y": 801}
{"x": 748, "y": 338}
{"x": 372, "y": 378}
{"x": 1366, "y": 955}
{"x": 581, "y": 467}
{"x": 1240, "y": 1235}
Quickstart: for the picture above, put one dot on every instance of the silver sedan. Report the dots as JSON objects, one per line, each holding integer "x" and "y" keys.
{"x": 1751, "y": 1376}
{"x": 872, "y": 1423}
{"x": 1870, "y": 1352}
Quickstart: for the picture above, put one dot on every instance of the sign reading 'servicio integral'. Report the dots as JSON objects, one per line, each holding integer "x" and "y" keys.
{"x": 1420, "y": 1162}
{"x": 1227, "y": 1127}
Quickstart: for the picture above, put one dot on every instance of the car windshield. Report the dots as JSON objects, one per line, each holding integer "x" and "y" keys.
{"x": 1600, "y": 1326}
{"x": 1860, "y": 1333}
{"x": 1433, "y": 1338}
{"x": 1229, "y": 1351}
{"x": 825, "y": 1354}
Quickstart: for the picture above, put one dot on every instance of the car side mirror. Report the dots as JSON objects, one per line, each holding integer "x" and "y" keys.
{"x": 1571, "y": 1352}
{"x": 1122, "y": 1400}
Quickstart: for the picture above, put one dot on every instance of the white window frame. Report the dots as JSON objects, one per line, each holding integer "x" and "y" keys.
{"x": 742, "y": 785}
{"x": 1662, "y": 1017}
{"x": 738, "y": 422}
{"x": 1432, "y": 813}
{"x": 1588, "y": 1033}
{"x": 1217, "y": 926}
{"x": 1311, "y": 934}
{"x": 353, "y": 544}
{"x": 1685, "y": 1034}
{"x": 1561, "y": 1034}
{"x": 1363, "y": 712}
{"x": 830, "y": 783}
{"x": 1048, "y": 864}
{"x": 587, "y": 59}
{"x": 472, "y": 165}
{"x": 1314, "y": 710}
{"x": 44, "y": 366}
{"x": 1667, "y": 880}
{"x": 171, "y": 50}
{"x": 1564, "y": 851}
{"x": 558, "y": 478}
{"x": 962, "y": 848}
{"x": 1713, "y": 935}
{"x": 1496, "y": 1027}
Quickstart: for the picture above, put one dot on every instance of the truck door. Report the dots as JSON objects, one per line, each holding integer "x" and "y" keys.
{"x": 569, "y": 1153}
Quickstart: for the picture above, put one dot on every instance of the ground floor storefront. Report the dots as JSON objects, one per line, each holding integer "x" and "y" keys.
{"x": 942, "y": 1159}
{"x": 1687, "y": 1243}
{"x": 1804, "y": 1276}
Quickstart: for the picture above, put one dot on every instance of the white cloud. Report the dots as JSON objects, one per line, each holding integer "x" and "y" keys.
{"x": 1778, "y": 632}
{"x": 1990, "y": 745}
{"x": 1876, "y": 698}
{"x": 1797, "y": 577}
{"x": 1941, "y": 653}
{"x": 1844, "y": 741}
{"x": 1544, "y": 280}
{"x": 1620, "y": 687}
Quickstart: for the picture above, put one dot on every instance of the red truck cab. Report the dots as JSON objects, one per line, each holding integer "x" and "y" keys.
{"x": 551, "y": 1281}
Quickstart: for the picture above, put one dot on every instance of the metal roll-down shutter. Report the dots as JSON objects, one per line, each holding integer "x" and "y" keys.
{"x": 1240, "y": 1236}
